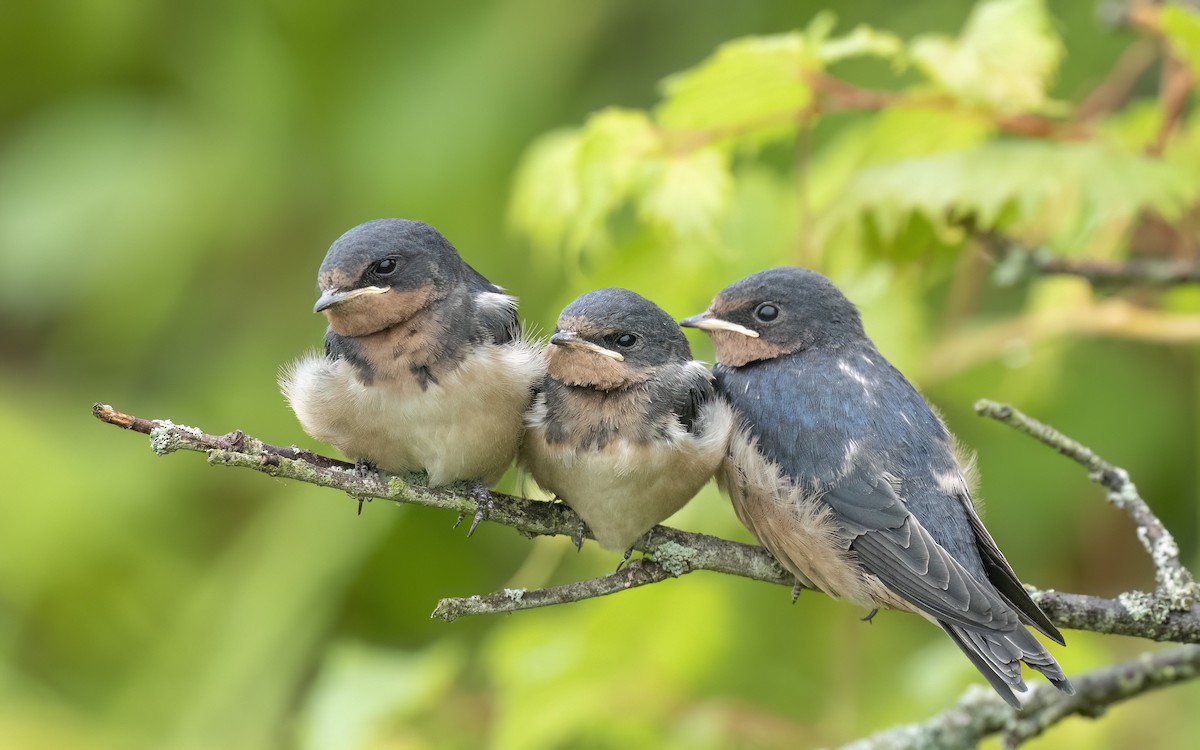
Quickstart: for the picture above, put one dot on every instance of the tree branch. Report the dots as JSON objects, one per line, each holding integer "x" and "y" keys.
{"x": 677, "y": 551}
{"x": 1175, "y": 582}
{"x": 980, "y": 712}
{"x": 672, "y": 552}
{"x": 1137, "y": 271}
{"x": 636, "y": 573}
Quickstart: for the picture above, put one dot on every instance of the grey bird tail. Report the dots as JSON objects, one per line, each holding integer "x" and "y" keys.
{"x": 998, "y": 657}
{"x": 1001, "y": 574}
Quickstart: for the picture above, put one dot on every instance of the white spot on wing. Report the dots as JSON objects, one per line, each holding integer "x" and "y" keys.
{"x": 850, "y": 456}
{"x": 496, "y": 301}
{"x": 849, "y": 371}
{"x": 950, "y": 482}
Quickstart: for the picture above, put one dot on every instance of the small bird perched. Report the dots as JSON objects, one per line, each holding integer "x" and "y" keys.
{"x": 841, "y": 470}
{"x": 425, "y": 367}
{"x": 627, "y": 427}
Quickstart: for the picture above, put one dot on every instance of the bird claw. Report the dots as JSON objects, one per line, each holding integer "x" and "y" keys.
{"x": 624, "y": 559}
{"x": 577, "y": 537}
{"x": 364, "y": 468}
{"x": 483, "y": 503}
{"x": 871, "y": 615}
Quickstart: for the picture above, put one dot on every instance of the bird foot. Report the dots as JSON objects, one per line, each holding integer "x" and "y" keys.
{"x": 624, "y": 559}
{"x": 577, "y": 537}
{"x": 363, "y": 469}
{"x": 796, "y": 589}
{"x": 871, "y": 615}
{"x": 478, "y": 492}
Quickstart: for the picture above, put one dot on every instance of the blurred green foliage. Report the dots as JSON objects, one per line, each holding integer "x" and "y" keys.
{"x": 172, "y": 173}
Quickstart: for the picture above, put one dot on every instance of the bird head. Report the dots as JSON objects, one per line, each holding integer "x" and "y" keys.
{"x": 776, "y": 312}
{"x": 382, "y": 273}
{"x": 613, "y": 338}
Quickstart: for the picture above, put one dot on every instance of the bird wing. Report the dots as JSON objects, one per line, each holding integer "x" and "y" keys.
{"x": 1002, "y": 576}
{"x": 687, "y": 397}
{"x": 497, "y": 315}
{"x": 891, "y": 543}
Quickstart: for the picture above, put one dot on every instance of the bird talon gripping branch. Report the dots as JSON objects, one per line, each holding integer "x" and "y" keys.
{"x": 484, "y": 503}
{"x": 580, "y": 533}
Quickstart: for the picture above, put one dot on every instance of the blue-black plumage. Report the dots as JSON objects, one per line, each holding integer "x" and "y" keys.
{"x": 840, "y": 468}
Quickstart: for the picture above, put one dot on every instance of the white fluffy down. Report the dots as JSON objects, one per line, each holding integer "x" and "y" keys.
{"x": 626, "y": 488}
{"x": 468, "y": 426}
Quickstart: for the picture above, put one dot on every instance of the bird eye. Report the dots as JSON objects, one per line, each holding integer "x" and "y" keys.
{"x": 766, "y": 312}
{"x": 626, "y": 340}
{"x": 385, "y": 266}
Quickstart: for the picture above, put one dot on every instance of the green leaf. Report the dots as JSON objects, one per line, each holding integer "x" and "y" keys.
{"x": 752, "y": 90}
{"x": 750, "y": 87}
{"x": 1182, "y": 28}
{"x": 363, "y": 692}
{"x": 545, "y": 193}
{"x": 1077, "y": 197}
{"x": 571, "y": 181}
{"x": 688, "y": 193}
{"x": 863, "y": 41}
{"x": 1005, "y": 58}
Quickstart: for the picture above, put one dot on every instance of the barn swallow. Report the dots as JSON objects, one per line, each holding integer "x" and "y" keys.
{"x": 626, "y": 427}
{"x": 425, "y": 367}
{"x": 843, "y": 472}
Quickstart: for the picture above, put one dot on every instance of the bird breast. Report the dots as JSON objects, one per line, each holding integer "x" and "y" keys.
{"x": 625, "y": 487}
{"x": 467, "y": 424}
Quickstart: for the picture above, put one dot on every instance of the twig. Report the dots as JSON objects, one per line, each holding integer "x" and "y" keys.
{"x": 1015, "y": 261}
{"x": 673, "y": 552}
{"x": 1136, "y": 613}
{"x": 1138, "y": 271}
{"x": 980, "y": 712}
{"x": 1114, "y": 90}
{"x": 1175, "y": 582}
{"x": 678, "y": 551}
{"x": 1177, "y": 83}
{"x": 636, "y": 573}
{"x": 839, "y": 96}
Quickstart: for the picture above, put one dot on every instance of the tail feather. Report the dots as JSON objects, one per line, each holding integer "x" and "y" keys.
{"x": 998, "y": 657}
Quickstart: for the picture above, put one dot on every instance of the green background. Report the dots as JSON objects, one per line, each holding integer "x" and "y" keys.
{"x": 171, "y": 175}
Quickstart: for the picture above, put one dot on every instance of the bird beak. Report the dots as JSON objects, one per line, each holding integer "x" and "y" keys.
{"x": 706, "y": 321}
{"x": 571, "y": 339}
{"x": 331, "y": 297}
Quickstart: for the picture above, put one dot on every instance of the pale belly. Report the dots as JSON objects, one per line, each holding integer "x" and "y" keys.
{"x": 467, "y": 427}
{"x": 626, "y": 488}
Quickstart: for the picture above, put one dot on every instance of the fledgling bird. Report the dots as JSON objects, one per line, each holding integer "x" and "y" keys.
{"x": 626, "y": 427}
{"x": 425, "y": 367}
{"x": 843, "y": 472}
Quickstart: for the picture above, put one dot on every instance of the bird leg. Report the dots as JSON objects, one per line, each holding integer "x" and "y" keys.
{"x": 796, "y": 589}
{"x": 645, "y": 541}
{"x": 363, "y": 468}
{"x": 479, "y": 492}
{"x": 580, "y": 533}
{"x": 870, "y": 615}
{"x": 624, "y": 559}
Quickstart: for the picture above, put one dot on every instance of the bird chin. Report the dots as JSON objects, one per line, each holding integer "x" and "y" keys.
{"x": 735, "y": 350}
{"x": 372, "y": 313}
{"x": 585, "y": 369}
